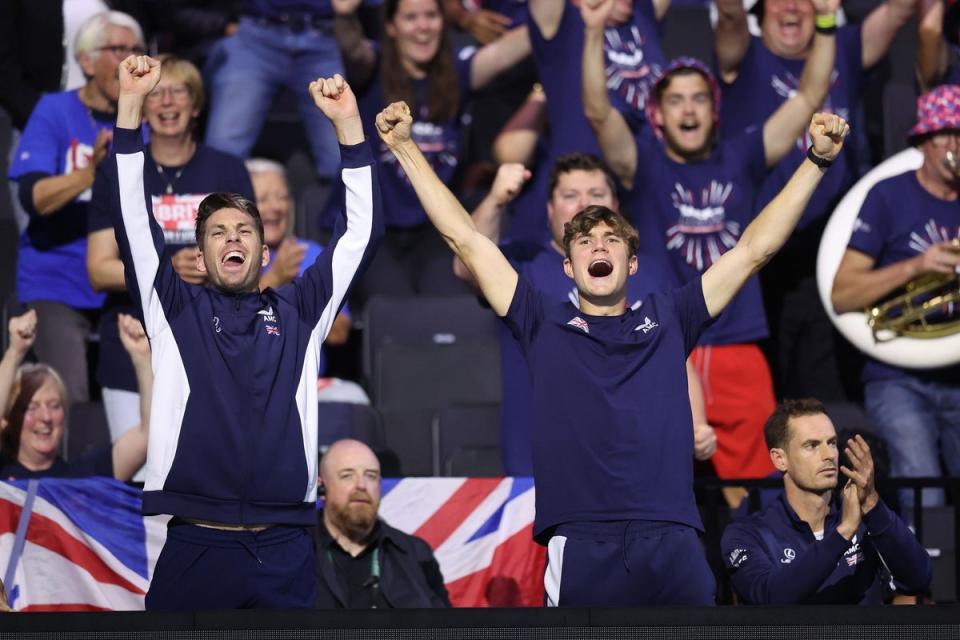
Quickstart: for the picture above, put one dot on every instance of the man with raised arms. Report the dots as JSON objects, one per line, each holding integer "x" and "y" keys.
{"x": 612, "y": 433}
{"x": 233, "y": 445}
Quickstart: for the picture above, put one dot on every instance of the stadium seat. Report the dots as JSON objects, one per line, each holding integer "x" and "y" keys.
{"x": 87, "y": 429}
{"x": 466, "y": 441}
{"x": 427, "y": 321}
{"x": 361, "y": 422}
{"x": 414, "y": 382}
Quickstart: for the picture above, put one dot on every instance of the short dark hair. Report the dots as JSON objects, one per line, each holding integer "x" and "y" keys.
{"x": 593, "y": 215}
{"x": 219, "y": 200}
{"x": 776, "y": 431}
{"x": 664, "y": 82}
{"x": 579, "y": 162}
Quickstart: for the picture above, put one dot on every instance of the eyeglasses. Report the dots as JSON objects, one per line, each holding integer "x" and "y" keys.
{"x": 122, "y": 50}
{"x": 178, "y": 93}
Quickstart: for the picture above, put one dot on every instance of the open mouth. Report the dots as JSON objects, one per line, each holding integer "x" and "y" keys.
{"x": 600, "y": 268}
{"x": 233, "y": 260}
{"x": 790, "y": 26}
{"x": 689, "y": 127}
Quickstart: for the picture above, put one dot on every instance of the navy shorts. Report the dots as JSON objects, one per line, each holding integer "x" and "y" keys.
{"x": 627, "y": 564}
{"x": 201, "y": 568}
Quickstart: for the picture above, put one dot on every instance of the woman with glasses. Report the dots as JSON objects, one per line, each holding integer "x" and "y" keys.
{"x": 179, "y": 173}
{"x": 67, "y": 135}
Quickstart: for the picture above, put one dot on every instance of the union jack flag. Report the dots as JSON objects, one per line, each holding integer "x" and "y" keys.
{"x": 579, "y": 323}
{"x": 272, "y": 330}
{"x": 82, "y": 545}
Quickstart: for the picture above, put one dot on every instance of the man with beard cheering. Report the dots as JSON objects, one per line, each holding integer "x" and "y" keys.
{"x": 362, "y": 562}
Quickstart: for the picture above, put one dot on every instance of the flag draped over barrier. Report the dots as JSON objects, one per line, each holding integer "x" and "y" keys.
{"x": 82, "y": 545}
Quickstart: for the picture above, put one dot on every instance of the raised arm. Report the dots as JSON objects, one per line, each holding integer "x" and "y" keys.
{"x": 22, "y": 331}
{"x": 880, "y": 27}
{"x": 359, "y": 56}
{"x": 764, "y": 237}
{"x": 488, "y": 216}
{"x": 498, "y": 56}
{"x": 782, "y": 128}
{"x": 931, "y": 47}
{"x": 660, "y": 8}
{"x": 546, "y": 15}
{"x": 731, "y": 37}
{"x": 492, "y": 271}
{"x": 130, "y": 450}
{"x": 485, "y": 26}
{"x": 517, "y": 141}
{"x": 150, "y": 278}
{"x": 325, "y": 284}
{"x": 613, "y": 133}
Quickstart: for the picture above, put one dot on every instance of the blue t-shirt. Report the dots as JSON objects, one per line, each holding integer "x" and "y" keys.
{"x": 634, "y": 57}
{"x": 98, "y": 462}
{"x": 689, "y": 214}
{"x": 439, "y": 142}
{"x": 898, "y": 220}
{"x": 765, "y": 81}
{"x": 612, "y": 429}
{"x": 542, "y": 265}
{"x": 52, "y": 258}
{"x": 207, "y": 171}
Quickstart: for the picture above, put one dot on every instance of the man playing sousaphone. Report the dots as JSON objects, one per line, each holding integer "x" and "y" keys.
{"x": 906, "y": 228}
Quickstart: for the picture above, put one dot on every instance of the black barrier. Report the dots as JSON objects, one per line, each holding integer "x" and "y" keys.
{"x": 716, "y": 516}
{"x": 743, "y": 623}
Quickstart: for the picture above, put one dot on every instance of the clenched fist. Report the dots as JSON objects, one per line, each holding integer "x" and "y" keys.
{"x": 394, "y": 124}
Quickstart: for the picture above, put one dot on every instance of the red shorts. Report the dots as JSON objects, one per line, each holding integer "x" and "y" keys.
{"x": 738, "y": 395}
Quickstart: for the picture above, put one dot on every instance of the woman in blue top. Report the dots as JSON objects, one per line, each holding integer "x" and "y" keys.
{"x": 37, "y": 404}
{"x": 414, "y": 62}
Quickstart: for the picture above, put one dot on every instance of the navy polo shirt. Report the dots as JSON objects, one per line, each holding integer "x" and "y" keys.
{"x": 612, "y": 429}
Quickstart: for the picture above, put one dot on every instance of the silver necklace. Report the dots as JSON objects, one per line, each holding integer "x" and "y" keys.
{"x": 170, "y": 183}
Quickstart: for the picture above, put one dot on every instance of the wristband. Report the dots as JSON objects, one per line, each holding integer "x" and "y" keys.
{"x": 823, "y": 163}
{"x": 826, "y": 24}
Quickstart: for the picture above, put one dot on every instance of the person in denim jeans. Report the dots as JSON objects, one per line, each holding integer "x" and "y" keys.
{"x": 277, "y": 44}
{"x": 908, "y": 226}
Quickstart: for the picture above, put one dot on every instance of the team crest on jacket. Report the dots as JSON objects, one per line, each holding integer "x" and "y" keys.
{"x": 579, "y": 323}
{"x": 272, "y": 329}
{"x": 647, "y": 325}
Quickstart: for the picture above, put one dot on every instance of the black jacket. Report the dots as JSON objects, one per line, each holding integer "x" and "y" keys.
{"x": 410, "y": 577}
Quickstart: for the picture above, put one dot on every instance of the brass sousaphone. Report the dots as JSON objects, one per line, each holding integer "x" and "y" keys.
{"x": 903, "y": 330}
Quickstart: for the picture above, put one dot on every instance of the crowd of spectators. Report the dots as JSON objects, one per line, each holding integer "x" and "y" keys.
{"x": 597, "y": 114}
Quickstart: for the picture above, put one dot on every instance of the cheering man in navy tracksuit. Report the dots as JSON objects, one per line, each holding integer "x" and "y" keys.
{"x": 612, "y": 430}
{"x": 233, "y": 449}
{"x": 809, "y": 547}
